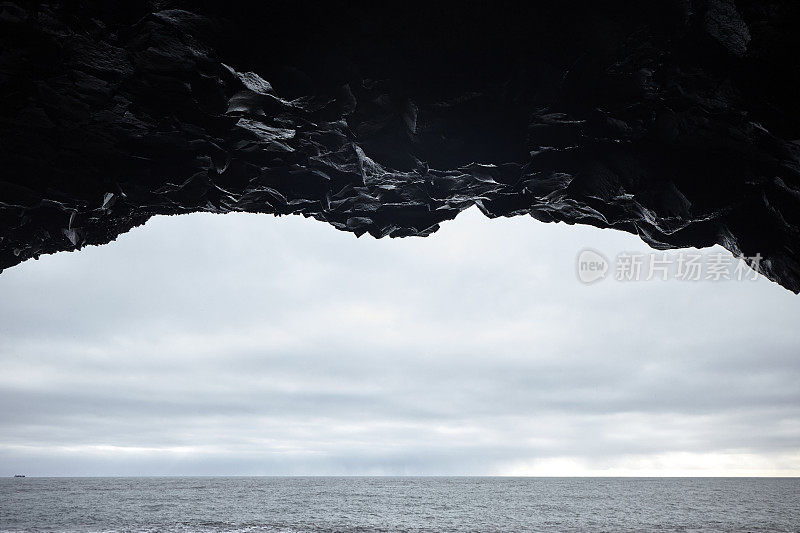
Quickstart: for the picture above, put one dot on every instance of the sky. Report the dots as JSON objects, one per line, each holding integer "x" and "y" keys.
{"x": 245, "y": 344}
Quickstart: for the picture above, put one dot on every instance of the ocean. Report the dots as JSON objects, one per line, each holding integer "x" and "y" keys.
{"x": 411, "y": 504}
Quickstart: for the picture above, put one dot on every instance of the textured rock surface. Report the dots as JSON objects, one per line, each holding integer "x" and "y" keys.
{"x": 676, "y": 120}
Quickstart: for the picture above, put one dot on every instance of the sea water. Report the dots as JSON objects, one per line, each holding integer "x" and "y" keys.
{"x": 365, "y": 504}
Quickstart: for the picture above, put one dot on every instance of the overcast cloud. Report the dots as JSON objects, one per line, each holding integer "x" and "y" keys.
{"x": 244, "y": 344}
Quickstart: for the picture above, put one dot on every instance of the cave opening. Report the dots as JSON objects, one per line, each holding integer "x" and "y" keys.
{"x": 245, "y": 344}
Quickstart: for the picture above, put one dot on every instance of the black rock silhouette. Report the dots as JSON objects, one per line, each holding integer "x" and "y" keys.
{"x": 674, "y": 120}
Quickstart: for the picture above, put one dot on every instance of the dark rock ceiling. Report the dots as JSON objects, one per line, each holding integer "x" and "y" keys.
{"x": 677, "y": 120}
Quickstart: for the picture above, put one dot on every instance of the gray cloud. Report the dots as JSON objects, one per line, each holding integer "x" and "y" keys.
{"x": 243, "y": 344}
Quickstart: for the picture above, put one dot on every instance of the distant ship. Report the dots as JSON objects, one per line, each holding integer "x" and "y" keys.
{"x": 19, "y": 475}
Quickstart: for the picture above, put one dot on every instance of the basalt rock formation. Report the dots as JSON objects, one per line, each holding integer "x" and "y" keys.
{"x": 677, "y": 120}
